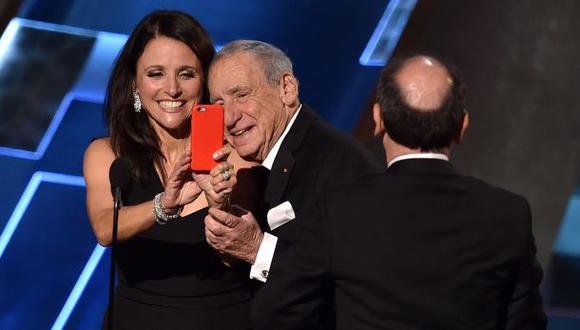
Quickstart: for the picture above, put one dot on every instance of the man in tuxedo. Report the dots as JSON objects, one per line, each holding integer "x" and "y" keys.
{"x": 266, "y": 123}
{"x": 418, "y": 246}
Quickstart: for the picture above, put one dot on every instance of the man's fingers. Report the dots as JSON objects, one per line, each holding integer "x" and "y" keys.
{"x": 220, "y": 223}
{"x": 218, "y": 170}
{"x": 227, "y": 219}
{"x": 249, "y": 217}
{"x": 221, "y": 154}
{"x": 226, "y": 185}
{"x": 211, "y": 239}
{"x": 215, "y": 227}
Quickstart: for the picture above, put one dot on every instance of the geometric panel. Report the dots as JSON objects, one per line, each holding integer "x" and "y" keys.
{"x": 88, "y": 314}
{"x": 82, "y": 123}
{"x": 92, "y": 303}
{"x": 38, "y": 67}
{"x": 568, "y": 239}
{"x": 387, "y": 33}
{"x": 44, "y": 248}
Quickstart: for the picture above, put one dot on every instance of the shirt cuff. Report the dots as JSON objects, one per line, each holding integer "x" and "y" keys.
{"x": 261, "y": 267}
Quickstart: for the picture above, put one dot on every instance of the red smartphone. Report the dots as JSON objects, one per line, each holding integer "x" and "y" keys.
{"x": 207, "y": 135}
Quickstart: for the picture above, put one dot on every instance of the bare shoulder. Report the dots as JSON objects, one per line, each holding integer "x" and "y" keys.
{"x": 101, "y": 145}
{"x": 98, "y": 155}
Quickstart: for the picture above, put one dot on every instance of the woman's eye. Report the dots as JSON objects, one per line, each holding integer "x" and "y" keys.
{"x": 188, "y": 74}
{"x": 154, "y": 74}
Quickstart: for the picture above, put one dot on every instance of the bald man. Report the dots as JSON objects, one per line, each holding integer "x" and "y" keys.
{"x": 419, "y": 246}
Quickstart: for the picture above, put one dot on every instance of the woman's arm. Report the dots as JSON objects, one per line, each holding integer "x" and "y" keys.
{"x": 132, "y": 219}
{"x": 180, "y": 190}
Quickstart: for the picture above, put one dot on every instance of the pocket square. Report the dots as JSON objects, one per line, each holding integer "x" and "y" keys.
{"x": 281, "y": 214}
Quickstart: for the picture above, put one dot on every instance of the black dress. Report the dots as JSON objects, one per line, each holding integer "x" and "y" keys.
{"x": 170, "y": 278}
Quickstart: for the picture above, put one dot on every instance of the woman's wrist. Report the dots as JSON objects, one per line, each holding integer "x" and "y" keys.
{"x": 163, "y": 214}
{"x": 168, "y": 209}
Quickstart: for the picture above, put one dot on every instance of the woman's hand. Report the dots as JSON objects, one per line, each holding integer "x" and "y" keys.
{"x": 218, "y": 185}
{"x": 180, "y": 188}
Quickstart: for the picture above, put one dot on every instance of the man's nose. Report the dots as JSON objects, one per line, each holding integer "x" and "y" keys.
{"x": 231, "y": 114}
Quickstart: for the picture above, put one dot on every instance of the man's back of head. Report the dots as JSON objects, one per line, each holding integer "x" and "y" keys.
{"x": 420, "y": 104}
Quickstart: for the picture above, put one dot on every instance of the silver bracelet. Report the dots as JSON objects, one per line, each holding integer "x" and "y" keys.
{"x": 160, "y": 216}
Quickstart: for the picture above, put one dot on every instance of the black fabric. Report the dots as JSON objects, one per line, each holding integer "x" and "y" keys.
{"x": 417, "y": 247}
{"x": 312, "y": 156}
{"x": 251, "y": 197}
{"x": 131, "y": 314}
{"x": 171, "y": 267}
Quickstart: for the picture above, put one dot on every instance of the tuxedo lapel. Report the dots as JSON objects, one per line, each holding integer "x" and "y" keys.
{"x": 284, "y": 161}
{"x": 278, "y": 179}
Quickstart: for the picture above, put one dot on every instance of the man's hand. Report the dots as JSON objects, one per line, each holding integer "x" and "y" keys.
{"x": 218, "y": 185}
{"x": 238, "y": 237}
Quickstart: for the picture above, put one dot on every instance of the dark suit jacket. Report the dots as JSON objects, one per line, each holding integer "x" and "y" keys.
{"x": 312, "y": 156}
{"x": 418, "y": 247}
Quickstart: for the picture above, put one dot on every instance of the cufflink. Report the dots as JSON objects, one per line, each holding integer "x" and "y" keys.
{"x": 265, "y": 274}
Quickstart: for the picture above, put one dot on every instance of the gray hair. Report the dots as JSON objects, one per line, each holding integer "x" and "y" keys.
{"x": 274, "y": 62}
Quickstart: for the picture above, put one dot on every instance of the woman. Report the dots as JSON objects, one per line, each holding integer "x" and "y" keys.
{"x": 168, "y": 277}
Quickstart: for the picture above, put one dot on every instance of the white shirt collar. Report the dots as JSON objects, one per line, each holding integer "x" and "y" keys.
{"x": 269, "y": 160}
{"x": 423, "y": 155}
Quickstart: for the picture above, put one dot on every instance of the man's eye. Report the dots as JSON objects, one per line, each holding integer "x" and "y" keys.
{"x": 241, "y": 96}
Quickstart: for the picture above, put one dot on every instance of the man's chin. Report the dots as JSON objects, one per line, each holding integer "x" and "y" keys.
{"x": 247, "y": 154}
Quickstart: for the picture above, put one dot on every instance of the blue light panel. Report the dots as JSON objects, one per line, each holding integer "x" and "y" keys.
{"x": 16, "y": 217}
{"x": 51, "y": 130}
{"x": 6, "y": 40}
{"x": 79, "y": 287}
{"x": 387, "y": 33}
{"x": 568, "y": 240}
{"x": 26, "y": 197}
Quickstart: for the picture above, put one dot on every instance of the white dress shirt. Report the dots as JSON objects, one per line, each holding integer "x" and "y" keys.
{"x": 422, "y": 155}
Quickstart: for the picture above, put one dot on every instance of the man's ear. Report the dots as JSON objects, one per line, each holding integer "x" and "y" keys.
{"x": 289, "y": 90}
{"x": 378, "y": 119}
{"x": 464, "y": 126}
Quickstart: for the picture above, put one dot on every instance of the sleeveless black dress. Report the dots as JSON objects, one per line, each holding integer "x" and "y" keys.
{"x": 170, "y": 278}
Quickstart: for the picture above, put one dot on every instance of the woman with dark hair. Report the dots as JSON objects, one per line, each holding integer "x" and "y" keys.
{"x": 168, "y": 276}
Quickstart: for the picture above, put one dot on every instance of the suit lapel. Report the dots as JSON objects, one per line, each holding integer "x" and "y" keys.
{"x": 284, "y": 161}
{"x": 278, "y": 179}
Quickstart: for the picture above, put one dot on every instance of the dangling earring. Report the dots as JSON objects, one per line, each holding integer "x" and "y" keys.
{"x": 136, "y": 101}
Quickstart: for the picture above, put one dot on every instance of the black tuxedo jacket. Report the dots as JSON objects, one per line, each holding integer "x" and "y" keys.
{"x": 417, "y": 247}
{"x": 312, "y": 156}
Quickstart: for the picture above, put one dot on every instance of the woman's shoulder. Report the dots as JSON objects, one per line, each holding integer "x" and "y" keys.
{"x": 99, "y": 153}
{"x": 100, "y": 146}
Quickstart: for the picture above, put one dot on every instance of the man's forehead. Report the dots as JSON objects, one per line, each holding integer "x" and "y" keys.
{"x": 229, "y": 81}
{"x": 237, "y": 60}
{"x": 235, "y": 72}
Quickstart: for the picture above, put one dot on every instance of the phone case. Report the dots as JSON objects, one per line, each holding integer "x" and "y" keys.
{"x": 207, "y": 135}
